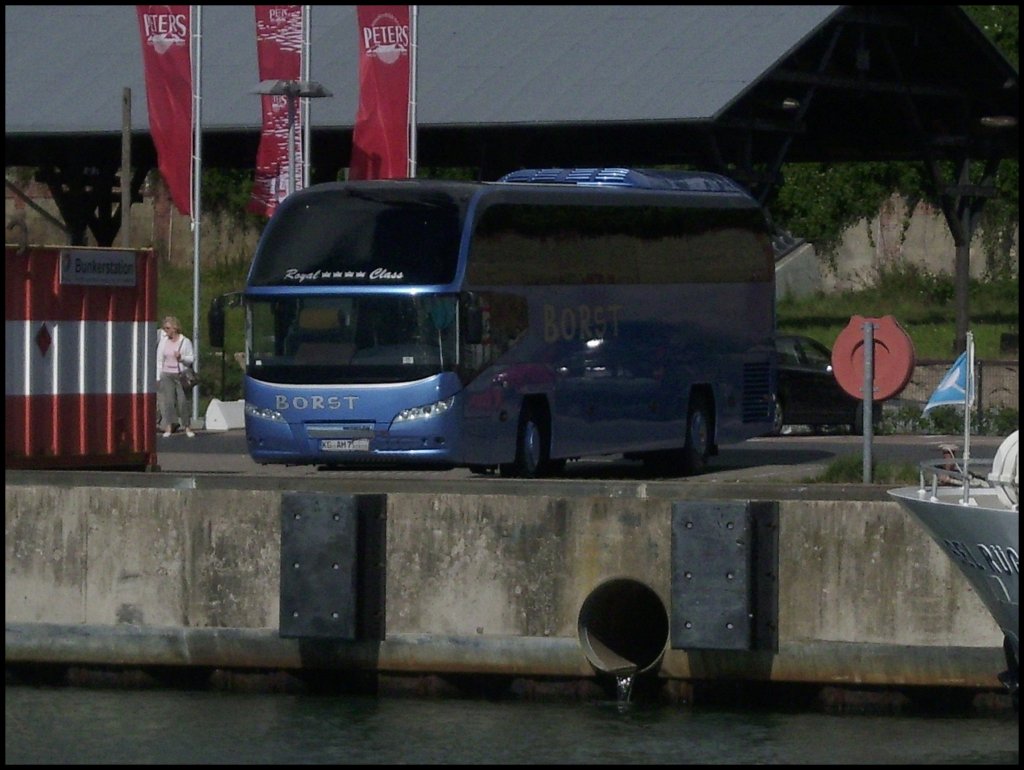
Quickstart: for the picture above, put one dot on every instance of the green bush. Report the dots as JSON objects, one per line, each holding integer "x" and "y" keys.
{"x": 947, "y": 421}
{"x": 999, "y": 421}
{"x": 899, "y": 421}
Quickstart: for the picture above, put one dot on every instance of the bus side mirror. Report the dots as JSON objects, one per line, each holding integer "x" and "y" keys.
{"x": 215, "y": 319}
{"x": 474, "y": 324}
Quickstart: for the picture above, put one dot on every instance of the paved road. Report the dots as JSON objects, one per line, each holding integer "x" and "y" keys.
{"x": 792, "y": 458}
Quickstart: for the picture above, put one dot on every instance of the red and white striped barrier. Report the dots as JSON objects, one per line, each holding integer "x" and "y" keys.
{"x": 79, "y": 348}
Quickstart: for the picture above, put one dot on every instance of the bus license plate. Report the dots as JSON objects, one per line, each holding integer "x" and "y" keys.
{"x": 345, "y": 445}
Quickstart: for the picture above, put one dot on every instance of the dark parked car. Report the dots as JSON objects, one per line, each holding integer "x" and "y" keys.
{"x": 808, "y": 391}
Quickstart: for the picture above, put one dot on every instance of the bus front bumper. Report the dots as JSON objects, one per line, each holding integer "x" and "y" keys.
{"x": 290, "y": 443}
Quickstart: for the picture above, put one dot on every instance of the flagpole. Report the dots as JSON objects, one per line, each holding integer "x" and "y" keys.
{"x": 304, "y": 76}
{"x": 968, "y": 402}
{"x": 413, "y": 11}
{"x": 197, "y": 167}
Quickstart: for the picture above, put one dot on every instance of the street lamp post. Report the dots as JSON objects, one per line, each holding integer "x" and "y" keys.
{"x": 292, "y": 90}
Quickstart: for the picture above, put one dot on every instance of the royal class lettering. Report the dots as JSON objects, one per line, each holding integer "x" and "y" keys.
{"x": 583, "y": 322}
{"x": 378, "y": 274}
{"x": 284, "y": 403}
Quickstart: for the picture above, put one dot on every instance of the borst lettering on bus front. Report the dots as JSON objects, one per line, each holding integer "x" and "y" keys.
{"x": 583, "y": 322}
{"x": 282, "y": 403}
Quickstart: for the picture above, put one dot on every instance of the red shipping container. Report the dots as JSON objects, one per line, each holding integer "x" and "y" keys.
{"x": 80, "y": 341}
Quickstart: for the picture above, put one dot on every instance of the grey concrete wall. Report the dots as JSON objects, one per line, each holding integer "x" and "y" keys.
{"x": 868, "y": 573}
{"x": 143, "y": 557}
{"x": 799, "y": 273}
{"x": 895, "y": 236}
{"x": 501, "y": 565}
{"x": 898, "y": 236}
{"x": 478, "y": 583}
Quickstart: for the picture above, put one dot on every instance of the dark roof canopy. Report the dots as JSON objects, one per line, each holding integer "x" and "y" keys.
{"x": 737, "y": 89}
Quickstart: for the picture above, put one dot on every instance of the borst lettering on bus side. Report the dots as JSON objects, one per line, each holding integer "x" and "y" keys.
{"x": 584, "y": 322}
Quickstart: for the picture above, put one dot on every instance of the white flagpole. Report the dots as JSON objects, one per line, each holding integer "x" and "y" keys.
{"x": 412, "y": 91}
{"x": 304, "y": 71}
{"x": 197, "y": 185}
{"x": 968, "y": 403}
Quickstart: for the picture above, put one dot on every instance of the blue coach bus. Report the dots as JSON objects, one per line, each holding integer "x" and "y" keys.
{"x": 511, "y": 325}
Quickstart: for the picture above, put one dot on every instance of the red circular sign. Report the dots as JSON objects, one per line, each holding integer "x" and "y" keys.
{"x": 893, "y": 357}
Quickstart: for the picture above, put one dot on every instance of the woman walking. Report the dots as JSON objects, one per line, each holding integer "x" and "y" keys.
{"x": 173, "y": 353}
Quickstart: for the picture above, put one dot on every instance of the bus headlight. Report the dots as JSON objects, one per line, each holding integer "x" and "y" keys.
{"x": 251, "y": 410}
{"x": 423, "y": 412}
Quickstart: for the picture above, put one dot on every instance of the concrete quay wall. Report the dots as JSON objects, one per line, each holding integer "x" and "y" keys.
{"x": 477, "y": 583}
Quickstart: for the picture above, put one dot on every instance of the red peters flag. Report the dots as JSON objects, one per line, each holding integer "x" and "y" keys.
{"x": 166, "y": 54}
{"x": 380, "y": 139}
{"x": 279, "y": 51}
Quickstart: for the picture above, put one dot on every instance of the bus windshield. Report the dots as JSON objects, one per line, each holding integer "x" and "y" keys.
{"x": 359, "y": 238}
{"x": 352, "y": 339}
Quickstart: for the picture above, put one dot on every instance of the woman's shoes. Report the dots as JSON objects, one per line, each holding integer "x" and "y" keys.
{"x": 188, "y": 432}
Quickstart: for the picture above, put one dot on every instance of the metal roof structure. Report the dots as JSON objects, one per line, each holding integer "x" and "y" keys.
{"x": 477, "y": 65}
{"x": 737, "y": 90}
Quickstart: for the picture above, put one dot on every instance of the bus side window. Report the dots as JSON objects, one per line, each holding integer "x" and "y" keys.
{"x": 502, "y": 318}
{"x": 474, "y": 319}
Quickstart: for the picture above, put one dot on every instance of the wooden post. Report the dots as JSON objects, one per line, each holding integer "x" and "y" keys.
{"x": 126, "y": 168}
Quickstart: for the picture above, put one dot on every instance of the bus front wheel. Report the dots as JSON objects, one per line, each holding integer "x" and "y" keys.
{"x": 531, "y": 447}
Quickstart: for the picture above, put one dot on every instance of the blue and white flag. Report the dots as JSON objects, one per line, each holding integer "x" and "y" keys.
{"x": 953, "y": 388}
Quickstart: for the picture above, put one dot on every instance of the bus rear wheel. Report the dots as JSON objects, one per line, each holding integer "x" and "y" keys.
{"x": 698, "y": 437}
{"x": 779, "y": 420}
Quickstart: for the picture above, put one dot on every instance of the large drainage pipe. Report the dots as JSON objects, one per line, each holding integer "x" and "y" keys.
{"x": 623, "y": 627}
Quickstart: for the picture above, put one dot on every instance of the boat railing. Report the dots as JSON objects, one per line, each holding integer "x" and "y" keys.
{"x": 994, "y": 483}
{"x": 951, "y": 473}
